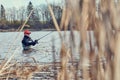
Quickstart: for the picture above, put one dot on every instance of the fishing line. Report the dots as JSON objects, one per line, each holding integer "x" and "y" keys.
{"x": 44, "y": 35}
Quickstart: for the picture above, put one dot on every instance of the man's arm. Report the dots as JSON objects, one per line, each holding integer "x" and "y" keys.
{"x": 28, "y": 42}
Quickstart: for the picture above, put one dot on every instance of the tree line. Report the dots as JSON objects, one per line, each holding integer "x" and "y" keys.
{"x": 12, "y": 18}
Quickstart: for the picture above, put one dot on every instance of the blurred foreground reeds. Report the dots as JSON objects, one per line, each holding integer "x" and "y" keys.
{"x": 98, "y": 27}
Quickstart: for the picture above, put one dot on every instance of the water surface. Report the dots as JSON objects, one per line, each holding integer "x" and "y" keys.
{"x": 11, "y": 44}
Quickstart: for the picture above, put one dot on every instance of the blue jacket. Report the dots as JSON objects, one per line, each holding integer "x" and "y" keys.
{"x": 27, "y": 42}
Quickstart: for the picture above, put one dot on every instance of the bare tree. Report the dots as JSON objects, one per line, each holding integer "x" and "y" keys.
{"x": 42, "y": 10}
{"x": 22, "y": 14}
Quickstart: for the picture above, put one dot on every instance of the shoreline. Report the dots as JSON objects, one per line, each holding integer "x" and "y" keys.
{"x": 15, "y": 30}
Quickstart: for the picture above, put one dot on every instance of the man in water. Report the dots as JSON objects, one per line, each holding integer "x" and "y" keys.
{"x": 27, "y": 42}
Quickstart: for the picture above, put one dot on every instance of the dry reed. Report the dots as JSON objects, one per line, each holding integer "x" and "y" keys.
{"x": 99, "y": 60}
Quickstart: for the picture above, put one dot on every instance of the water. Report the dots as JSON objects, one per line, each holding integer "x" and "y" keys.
{"x": 11, "y": 44}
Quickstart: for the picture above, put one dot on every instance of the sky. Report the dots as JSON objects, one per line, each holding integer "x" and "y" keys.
{"x": 20, "y": 3}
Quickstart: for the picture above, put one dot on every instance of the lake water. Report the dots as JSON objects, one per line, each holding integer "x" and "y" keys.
{"x": 11, "y": 44}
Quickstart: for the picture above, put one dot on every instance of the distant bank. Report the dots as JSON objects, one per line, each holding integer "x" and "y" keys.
{"x": 15, "y": 30}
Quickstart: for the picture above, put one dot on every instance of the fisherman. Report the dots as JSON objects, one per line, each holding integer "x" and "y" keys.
{"x": 27, "y": 42}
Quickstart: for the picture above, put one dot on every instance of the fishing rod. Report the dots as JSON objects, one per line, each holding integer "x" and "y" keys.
{"x": 44, "y": 36}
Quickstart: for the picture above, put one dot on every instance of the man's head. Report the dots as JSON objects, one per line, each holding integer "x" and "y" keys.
{"x": 27, "y": 32}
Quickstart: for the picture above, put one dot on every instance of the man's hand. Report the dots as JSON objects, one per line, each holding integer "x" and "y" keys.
{"x": 36, "y": 41}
